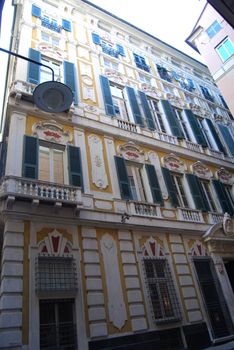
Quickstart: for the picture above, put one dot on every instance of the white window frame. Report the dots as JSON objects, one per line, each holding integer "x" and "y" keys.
{"x": 157, "y": 114}
{"x": 222, "y": 45}
{"x": 184, "y": 203}
{"x": 208, "y": 194}
{"x": 120, "y": 102}
{"x": 58, "y": 74}
{"x": 53, "y": 146}
{"x": 138, "y": 179}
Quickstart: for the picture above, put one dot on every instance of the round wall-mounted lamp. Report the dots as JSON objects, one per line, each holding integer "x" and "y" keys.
{"x": 53, "y": 97}
{"x": 50, "y": 96}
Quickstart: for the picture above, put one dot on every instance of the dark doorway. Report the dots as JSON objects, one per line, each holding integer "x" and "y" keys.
{"x": 229, "y": 265}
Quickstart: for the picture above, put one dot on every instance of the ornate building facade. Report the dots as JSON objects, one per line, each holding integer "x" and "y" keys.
{"x": 116, "y": 216}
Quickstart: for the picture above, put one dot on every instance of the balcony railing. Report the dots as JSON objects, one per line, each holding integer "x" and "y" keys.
{"x": 123, "y": 124}
{"x": 190, "y": 215}
{"x": 144, "y": 209}
{"x": 192, "y": 146}
{"x": 167, "y": 138}
{"x": 213, "y": 218}
{"x": 22, "y": 87}
{"x": 35, "y": 189}
{"x": 214, "y": 153}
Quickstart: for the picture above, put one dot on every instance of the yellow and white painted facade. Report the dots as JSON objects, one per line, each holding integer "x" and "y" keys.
{"x": 117, "y": 301}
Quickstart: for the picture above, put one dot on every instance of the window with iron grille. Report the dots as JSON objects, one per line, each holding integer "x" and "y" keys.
{"x": 55, "y": 274}
{"x": 161, "y": 289}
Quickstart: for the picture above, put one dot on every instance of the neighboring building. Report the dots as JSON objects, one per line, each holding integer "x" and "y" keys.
{"x": 213, "y": 38}
{"x": 116, "y": 216}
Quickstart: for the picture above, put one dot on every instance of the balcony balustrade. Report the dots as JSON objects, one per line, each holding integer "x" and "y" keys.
{"x": 192, "y": 146}
{"x": 123, "y": 124}
{"x": 41, "y": 190}
{"x": 192, "y": 215}
{"x": 167, "y": 138}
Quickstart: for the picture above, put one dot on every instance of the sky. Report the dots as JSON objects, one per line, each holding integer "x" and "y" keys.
{"x": 169, "y": 20}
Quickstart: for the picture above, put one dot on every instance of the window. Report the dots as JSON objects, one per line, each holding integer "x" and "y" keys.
{"x": 46, "y": 73}
{"x": 213, "y": 29}
{"x": 205, "y": 132}
{"x": 119, "y": 102}
{"x": 209, "y": 198}
{"x": 177, "y": 180}
{"x": 225, "y": 49}
{"x": 136, "y": 183}
{"x": 206, "y": 93}
{"x": 55, "y": 275}
{"x": 183, "y": 123}
{"x": 164, "y": 74}
{"x": 51, "y": 40}
{"x": 228, "y": 191}
{"x": 157, "y": 114}
{"x": 51, "y": 163}
{"x": 110, "y": 64}
{"x": 109, "y": 49}
{"x": 57, "y": 324}
{"x": 164, "y": 302}
{"x": 140, "y": 62}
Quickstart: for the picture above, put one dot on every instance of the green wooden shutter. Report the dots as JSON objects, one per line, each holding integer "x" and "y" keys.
{"x": 134, "y": 106}
{"x": 30, "y": 157}
{"x": 96, "y": 39}
{"x": 70, "y": 79}
{"x": 172, "y": 119}
{"x": 196, "y": 128}
{"x": 227, "y": 137}
{"x": 66, "y": 25}
{"x": 120, "y": 49}
{"x": 106, "y": 92}
{"x": 170, "y": 187}
{"x": 223, "y": 198}
{"x": 197, "y": 193}
{"x": 154, "y": 184}
{"x": 36, "y": 11}
{"x": 146, "y": 109}
{"x": 124, "y": 185}
{"x": 75, "y": 166}
{"x": 34, "y": 69}
{"x": 215, "y": 136}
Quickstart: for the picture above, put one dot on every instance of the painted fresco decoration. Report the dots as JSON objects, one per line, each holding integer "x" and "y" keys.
{"x": 51, "y": 51}
{"x": 151, "y": 90}
{"x": 115, "y": 76}
{"x": 51, "y": 131}
{"x": 130, "y": 151}
{"x": 197, "y": 249}
{"x": 152, "y": 249}
{"x": 173, "y": 163}
{"x": 116, "y": 304}
{"x": 99, "y": 175}
{"x": 87, "y": 79}
{"x": 175, "y": 100}
{"x": 224, "y": 176}
{"x": 200, "y": 170}
{"x": 55, "y": 244}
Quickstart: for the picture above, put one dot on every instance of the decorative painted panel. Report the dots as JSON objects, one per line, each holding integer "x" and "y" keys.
{"x": 116, "y": 305}
{"x": 99, "y": 176}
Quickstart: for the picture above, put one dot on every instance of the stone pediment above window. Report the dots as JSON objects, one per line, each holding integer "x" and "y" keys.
{"x": 197, "y": 248}
{"x": 173, "y": 163}
{"x": 52, "y": 132}
{"x": 130, "y": 151}
{"x": 201, "y": 170}
{"x": 153, "y": 249}
{"x": 51, "y": 51}
{"x": 55, "y": 244}
{"x": 224, "y": 176}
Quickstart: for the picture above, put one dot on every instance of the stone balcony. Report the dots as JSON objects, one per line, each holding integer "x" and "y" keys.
{"x": 38, "y": 191}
